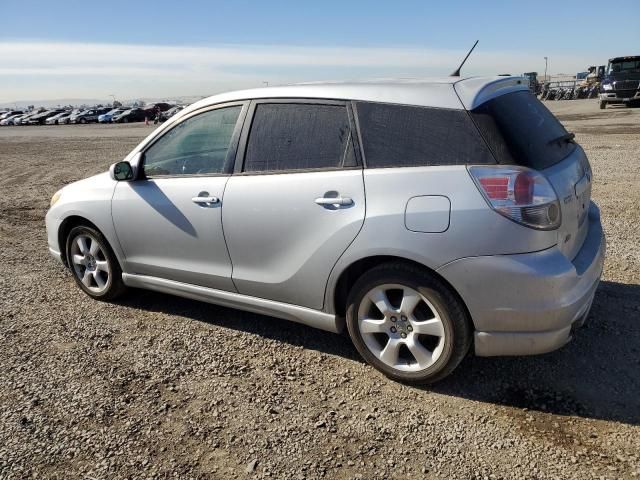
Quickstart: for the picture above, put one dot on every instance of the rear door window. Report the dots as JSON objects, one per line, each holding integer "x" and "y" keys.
{"x": 299, "y": 136}
{"x": 409, "y": 136}
{"x": 520, "y": 130}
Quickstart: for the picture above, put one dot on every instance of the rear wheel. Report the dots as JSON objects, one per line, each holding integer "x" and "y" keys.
{"x": 406, "y": 323}
{"x": 93, "y": 264}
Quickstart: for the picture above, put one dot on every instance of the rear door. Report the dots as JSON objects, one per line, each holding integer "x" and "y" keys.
{"x": 296, "y": 201}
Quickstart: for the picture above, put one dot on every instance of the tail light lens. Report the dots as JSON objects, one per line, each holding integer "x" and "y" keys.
{"x": 520, "y": 194}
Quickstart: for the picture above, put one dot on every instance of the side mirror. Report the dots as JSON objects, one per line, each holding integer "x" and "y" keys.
{"x": 121, "y": 171}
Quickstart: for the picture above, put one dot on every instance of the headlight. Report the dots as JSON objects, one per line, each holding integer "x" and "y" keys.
{"x": 607, "y": 86}
{"x": 55, "y": 198}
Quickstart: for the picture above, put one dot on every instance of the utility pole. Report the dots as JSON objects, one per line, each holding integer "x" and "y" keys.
{"x": 546, "y": 63}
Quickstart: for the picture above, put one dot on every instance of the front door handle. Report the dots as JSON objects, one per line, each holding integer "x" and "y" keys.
{"x": 205, "y": 200}
{"x": 341, "y": 201}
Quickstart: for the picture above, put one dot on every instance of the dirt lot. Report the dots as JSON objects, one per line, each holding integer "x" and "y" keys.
{"x": 160, "y": 387}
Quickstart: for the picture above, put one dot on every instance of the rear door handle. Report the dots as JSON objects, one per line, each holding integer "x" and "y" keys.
{"x": 342, "y": 201}
{"x": 207, "y": 200}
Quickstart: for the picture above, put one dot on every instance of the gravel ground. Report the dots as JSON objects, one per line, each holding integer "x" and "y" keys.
{"x": 160, "y": 387}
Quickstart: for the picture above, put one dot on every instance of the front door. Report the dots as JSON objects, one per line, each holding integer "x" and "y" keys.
{"x": 297, "y": 202}
{"x": 169, "y": 221}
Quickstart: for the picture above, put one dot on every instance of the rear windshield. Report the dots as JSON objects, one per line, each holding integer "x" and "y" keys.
{"x": 520, "y": 130}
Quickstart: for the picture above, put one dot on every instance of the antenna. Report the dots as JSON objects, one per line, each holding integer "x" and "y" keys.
{"x": 457, "y": 72}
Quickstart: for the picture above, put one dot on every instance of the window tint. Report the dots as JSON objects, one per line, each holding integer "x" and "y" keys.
{"x": 197, "y": 145}
{"x": 520, "y": 130}
{"x": 298, "y": 136}
{"x": 398, "y": 135}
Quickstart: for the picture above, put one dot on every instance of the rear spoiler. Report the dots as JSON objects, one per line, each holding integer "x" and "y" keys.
{"x": 473, "y": 92}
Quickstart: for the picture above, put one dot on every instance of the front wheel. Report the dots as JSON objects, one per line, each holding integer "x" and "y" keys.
{"x": 603, "y": 105}
{"x": 407, "y": 323}
{"x": 93, "y": 264}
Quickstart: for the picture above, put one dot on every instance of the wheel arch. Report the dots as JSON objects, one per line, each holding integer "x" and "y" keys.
{"x": 74, "y": 221}
{"x": 349, "y": 275}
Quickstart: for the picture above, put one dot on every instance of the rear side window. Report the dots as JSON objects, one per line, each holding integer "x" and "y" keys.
{"x": 299, "y": 136}
{"x": 520, "y": 130}
{"x": 407, "y": 136}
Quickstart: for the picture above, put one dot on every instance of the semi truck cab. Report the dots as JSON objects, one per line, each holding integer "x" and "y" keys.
{"x": 621, "y": 82}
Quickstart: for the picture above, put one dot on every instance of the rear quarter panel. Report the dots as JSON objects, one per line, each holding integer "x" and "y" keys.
{"x": 474, "y": 229}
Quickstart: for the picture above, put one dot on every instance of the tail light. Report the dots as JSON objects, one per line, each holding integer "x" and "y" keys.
{"x": 520, "y": 194}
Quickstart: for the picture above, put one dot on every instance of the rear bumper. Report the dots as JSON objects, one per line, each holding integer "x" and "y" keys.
{"x": 529, "y": 304}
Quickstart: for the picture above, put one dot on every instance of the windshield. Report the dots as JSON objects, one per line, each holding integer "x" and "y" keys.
{"x": 624, "y": 66}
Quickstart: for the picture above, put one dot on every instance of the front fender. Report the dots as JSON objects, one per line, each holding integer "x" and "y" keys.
{"x": 89, "y": 200}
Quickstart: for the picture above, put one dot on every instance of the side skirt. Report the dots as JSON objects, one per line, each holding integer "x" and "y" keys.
{"x": 294, "y": 313}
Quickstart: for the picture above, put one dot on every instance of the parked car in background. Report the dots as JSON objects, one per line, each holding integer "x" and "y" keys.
{"x": 10, "y": 113}
{"x": 53, "y": 120}
{"x": 24, "y": 120}
{"x": 132, "y": 115}
{"x": 108, "y": 116}
{"x": 7, "y": 119}
{"x": 89, "y": 116}
{"x": 41, "y": 118}
{"x": 164, "y": 116}
{"x": 478, "y": 232}
{"x": 155, "y": 111}
{"x": 12, "y": 121}
{"x": 163, "y": 106}
{"x": 66, "y": 118}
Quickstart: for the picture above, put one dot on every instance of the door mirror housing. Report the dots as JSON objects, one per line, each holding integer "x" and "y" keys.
{"x": 127, "y": 169}
{"x": 121, "y": 171}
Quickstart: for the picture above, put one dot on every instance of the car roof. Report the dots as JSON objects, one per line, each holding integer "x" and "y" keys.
{"x": 445, "y": 92}
{"x": 448, "y": 92}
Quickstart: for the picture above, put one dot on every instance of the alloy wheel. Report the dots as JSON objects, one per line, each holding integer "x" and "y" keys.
{"x": 401, "y": 327}
{"x": 90, "y": 264}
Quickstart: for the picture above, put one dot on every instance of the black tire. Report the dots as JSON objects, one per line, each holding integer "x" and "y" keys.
{"x": 453, "y": 315}
{"x": 114, "y": 287}
{"x": 83, "y": 120}
{"x": 126, "y": 120}
{"x": 603, "y": 105}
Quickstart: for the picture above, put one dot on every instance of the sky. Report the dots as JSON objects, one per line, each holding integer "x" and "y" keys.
{"x": 168, "y": 49}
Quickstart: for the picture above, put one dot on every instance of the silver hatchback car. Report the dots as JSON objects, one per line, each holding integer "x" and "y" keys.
{"x": 426, "y": 216}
